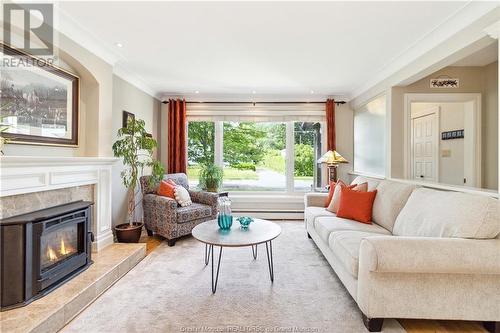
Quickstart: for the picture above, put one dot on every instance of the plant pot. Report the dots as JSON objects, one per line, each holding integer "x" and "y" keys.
{"x": 126, "y": 233}
{"x": 212, "y": 189}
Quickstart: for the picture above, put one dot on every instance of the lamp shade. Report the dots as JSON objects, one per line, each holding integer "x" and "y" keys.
{"x": 332, "y": 157}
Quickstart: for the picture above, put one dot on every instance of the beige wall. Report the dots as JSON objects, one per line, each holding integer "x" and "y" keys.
{"x": 483, "y": 80}
{"x": 490, "y": 127}
{"x": 128, "y": 98}
{"x": 345, "y": 144}
{"x": 163, "y": 135}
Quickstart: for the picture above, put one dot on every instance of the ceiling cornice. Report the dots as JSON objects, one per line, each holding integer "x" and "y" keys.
{"x": 465, "y": 16}
{"x": 135, "y": 80}
{"x": 82, "y": 36}
{"x": 493, "y": 30}
{"x": 65, "y": 24}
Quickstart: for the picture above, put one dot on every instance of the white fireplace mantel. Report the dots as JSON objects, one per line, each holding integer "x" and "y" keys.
{"x": 28, "y": 174}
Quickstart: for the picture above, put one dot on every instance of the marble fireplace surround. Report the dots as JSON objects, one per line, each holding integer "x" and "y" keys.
{"x": 26, "y": 175}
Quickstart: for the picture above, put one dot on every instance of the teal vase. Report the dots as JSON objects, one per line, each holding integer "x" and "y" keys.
{"x": 224, "y": 216}
{"x": 225, "y": 221}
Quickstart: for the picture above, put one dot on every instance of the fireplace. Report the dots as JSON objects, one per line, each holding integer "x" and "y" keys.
{"x": 43, "y": 249}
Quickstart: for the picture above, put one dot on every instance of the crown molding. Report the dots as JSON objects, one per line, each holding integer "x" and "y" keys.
{"x": 466, "y": 16}
{"x": 467, "y": 37}
{"x": 82, "y": 36}
{"x": 135, "y": 80}
{"x": 72, "y": 29}
{"x": 493, "y": 30}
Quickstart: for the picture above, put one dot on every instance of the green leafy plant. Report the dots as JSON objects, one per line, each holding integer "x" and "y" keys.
{"x": 245, "y": 166}
{"x": 304, "y": 160}
{"x": 136, "y": 147}
{"x": 211, "y": 177}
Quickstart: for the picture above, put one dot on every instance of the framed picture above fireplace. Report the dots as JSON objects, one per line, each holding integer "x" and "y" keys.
{"x": 38, "y": 101}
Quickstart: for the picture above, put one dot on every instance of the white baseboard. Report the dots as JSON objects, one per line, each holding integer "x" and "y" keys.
{"x": 102, "y": 241}
{"x": 271, "y": 215}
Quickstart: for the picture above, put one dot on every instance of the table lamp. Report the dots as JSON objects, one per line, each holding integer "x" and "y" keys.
{"x": 332, "y": 160}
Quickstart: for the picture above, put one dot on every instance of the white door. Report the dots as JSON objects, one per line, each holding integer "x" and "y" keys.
{"x": 425, "y": 147}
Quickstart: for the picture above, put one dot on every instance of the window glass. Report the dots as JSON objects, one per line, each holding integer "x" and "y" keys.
{"x": 254, "y": 156}
{"x": 201, "y": 144}
{"x": 307, "y": 150}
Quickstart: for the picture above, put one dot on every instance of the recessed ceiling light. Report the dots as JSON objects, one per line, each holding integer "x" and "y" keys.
{"x": 253, "y": 92}
{"x": 312, "y": 92}
{"x": 196, "y": 92}
{"x": 119, "y": 45}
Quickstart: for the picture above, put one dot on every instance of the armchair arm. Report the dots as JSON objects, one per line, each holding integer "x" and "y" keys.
{"x": 203, "y": 197}
{"x": 159, "y": 201}
{"x": 315, "y": 199}
{"x": 430, "y": 255}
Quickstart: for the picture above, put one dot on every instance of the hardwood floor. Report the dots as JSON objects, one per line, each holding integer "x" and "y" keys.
{"x": 410, "y": 325}
{"x": 151, "y": 242}
{"x": 441, "y": 326}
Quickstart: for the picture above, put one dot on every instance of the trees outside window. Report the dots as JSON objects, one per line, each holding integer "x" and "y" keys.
{"x": 254, "y": 154}
{"x": 201, "y": 148}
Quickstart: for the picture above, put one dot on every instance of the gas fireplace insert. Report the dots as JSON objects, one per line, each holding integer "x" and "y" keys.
{"x": 41, "y": 250}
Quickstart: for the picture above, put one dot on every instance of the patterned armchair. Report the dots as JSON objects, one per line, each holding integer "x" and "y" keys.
{"x": 165, "y": 217}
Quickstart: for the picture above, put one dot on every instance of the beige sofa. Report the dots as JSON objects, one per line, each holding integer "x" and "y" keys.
{"x": 429, "y": 254}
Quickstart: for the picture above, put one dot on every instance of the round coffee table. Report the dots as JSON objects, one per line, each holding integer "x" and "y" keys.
{"x": 259, "y": 232}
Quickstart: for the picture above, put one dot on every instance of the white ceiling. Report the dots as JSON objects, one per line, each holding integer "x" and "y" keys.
{"x": 272, "y": 48}
{"x": 482, "y": 57}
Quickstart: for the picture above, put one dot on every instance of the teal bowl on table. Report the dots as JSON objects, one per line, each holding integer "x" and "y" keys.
{"x": 225, "y": 221}
{"x": 245, "y": 221}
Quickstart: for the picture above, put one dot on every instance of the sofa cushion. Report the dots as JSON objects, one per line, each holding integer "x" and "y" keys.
{"x": 324, "y": 226}
{"x": 193, "y": 212}
{"x": 345, "y": 246}
{"x": 356, "y": 205}
{"x": 391, "y": 198}
{"x": 372, "y": 182}
{"x": 432, "y": 213}
{"x": 313, "y": 212}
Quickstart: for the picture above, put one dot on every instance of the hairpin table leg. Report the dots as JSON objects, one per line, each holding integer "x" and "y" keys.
{"x": 254, "y": 251}
{"x": 214, "y": 285}
{"x": 269, "y": 250}
{"x": 207, "y": 254}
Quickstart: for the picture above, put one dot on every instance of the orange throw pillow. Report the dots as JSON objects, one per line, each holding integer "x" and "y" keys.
{"x": 166, "y": 189}
{"x": 333, "y": 206}
{"x": 330, "y": 193}
{"x": 356, "y": 205}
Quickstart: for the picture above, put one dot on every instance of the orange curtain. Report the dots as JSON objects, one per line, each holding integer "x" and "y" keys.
{"x": 177, "y": 152}
{"x": 330, "y": 125}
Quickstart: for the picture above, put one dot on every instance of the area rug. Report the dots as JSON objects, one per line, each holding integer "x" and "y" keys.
{"x": 170, "y": 291}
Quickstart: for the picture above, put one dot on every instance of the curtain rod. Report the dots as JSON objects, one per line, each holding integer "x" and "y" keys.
{"x": 336, "y": 102}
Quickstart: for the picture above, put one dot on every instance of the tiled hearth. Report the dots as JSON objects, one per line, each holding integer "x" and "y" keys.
{"x": 53, "y": 311}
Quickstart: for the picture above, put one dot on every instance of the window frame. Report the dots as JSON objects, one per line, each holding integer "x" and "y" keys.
{"x": 284, "y": 113}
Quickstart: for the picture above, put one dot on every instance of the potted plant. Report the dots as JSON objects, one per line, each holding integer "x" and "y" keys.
{"x": 210, "y": 177}
{"x": 135, "y": 146}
